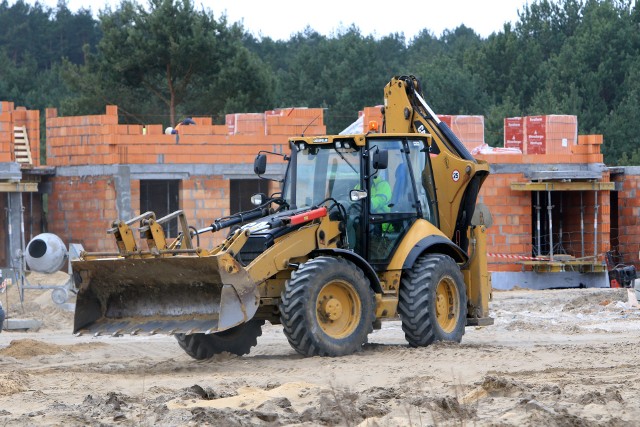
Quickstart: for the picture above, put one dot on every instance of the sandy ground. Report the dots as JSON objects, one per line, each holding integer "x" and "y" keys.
{"x": 554, "y": 358}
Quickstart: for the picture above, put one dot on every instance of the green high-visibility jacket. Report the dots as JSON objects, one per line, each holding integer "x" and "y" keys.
{"x": 380, "y": 195}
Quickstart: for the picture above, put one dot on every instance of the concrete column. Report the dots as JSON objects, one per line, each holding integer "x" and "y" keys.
{"x": 122, "y": 184}
{"x": 14, "y": 230}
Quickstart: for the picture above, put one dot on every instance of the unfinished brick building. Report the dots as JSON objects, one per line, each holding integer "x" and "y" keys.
{"x": 557, "y": 210}
{"x": 107, "y": 171}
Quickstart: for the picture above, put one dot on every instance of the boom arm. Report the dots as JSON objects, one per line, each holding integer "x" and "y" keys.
{"x": 458, "y": 176}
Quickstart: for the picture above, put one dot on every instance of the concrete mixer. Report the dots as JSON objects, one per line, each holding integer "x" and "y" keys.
{"x": 46, "y": 253}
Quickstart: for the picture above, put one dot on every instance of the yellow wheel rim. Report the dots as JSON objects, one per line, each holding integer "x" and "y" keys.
{"x": 447, "y": 304}
{"x": 338, "y": 309}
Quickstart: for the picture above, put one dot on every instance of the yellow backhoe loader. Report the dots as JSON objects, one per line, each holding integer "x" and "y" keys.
{"x": 367, "y": 227}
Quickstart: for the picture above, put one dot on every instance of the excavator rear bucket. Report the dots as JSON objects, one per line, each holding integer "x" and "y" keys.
{"x": 177, "y": 294}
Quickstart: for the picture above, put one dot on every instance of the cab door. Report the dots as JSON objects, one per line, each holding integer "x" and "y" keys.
{"x": 392, "y": 202}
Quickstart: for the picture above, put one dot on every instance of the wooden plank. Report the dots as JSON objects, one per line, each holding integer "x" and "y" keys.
{"x": 18, "y": 187}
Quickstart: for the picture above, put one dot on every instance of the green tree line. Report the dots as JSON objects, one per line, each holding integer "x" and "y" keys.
{"x": 166, "y": 59}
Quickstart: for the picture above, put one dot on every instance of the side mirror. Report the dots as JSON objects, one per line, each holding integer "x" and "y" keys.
{"x": 356, "y": 195}
{"x": 380, "y": 159}
{"x": 260, "y": 164}
{"x": 258, "y": 199}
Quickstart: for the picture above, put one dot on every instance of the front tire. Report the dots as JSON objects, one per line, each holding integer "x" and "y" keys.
{"x": 327, "y": 308}
{"x": 237, "y": 340}
{"x": 433, "y": 301}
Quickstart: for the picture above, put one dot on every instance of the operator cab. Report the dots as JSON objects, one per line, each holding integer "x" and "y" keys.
{"x": 381, "y": 182}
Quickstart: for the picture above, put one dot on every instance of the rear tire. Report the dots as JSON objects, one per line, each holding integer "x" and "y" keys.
{"x": 327, "y": 308}
{"x": 237, "y": 340}
{"x": 433, "y": 301}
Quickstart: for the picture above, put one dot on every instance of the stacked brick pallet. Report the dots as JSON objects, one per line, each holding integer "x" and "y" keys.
{"x": 283, "y": 121}
{"x": 549, "y": 134}
{"x": 371, "y": 114}
{"x": 295, "y": 121}
{"x": 549, "y": 139}
{"x": 469, "y": 129}
{"x": 11, "y": 117}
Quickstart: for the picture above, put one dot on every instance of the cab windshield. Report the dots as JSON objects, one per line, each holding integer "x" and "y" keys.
{"x": 322, "y": 172}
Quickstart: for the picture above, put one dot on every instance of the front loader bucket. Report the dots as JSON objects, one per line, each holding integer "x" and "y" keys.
{"x": 179, "y": 294}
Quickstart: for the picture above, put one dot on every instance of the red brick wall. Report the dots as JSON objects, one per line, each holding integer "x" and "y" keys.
{"x": 6, "y": 131}
{"x": 510, "y": 233}
{"x": 99, "y": 139}
{"x": 11, "y": 116}
{"x": 629, "y": 218}
{"x": 203, "y": 199}
{"x": 512, "y": 210}
{"x": 81, "y": 209}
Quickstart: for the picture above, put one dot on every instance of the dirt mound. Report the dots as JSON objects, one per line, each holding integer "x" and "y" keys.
{"x": 594, "y": 302}
{"x": 13, "y": 382}
{"x": 27, "y": 348}
{"x": 37, "y": 303}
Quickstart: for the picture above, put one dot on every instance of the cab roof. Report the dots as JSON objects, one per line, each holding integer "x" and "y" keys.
{"x": 358, "y": 139}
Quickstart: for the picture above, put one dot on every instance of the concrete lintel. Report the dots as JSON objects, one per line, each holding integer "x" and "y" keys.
{"x": 185, "y": 171}
{"x": 160, "y": 175}
{"x": 267, "y": 176}
{"x": 171, "y": 171}
{"x": 10, "y": 171}
{"x": 631, "y": 170}
{"x": 39, "y": 171}
{"x": 568, "y": 174}
{"x": 504, "y": 280}
{"x": 87, "y": 170}
{"x": 526, "y": 168}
